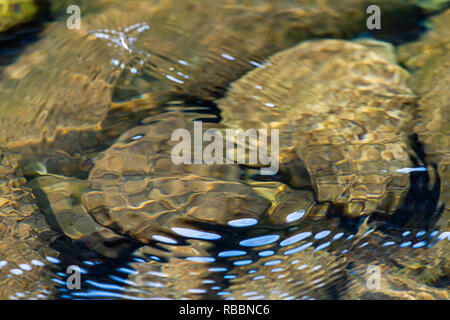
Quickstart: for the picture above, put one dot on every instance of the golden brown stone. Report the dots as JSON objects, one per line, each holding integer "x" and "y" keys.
{"x": 21, "y": 227}
{"x": 193, "y": 48}
{"x": 343, "y": 109}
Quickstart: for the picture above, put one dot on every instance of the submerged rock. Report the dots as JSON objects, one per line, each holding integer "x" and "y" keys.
{"x": 175, "y": 274}
{"x": 405, "y": 269}
{"x": 70, "y": 91}
{"x": 137, "y": 190}
{"x": 305, "y": 275}
{"x": 348, "y": 125}
{"x": 429, "y": 60}
{"x": 343, "y": 111}
{"x": 24, "y": 239}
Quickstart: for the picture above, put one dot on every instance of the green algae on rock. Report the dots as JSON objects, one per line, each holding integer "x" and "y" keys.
{"x": 15, "y": 12}
{"x": 433, "y": 5}
{"x": 342, "y": 110}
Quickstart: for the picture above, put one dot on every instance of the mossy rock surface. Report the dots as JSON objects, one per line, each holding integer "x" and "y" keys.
{"x": 16, "y": 12}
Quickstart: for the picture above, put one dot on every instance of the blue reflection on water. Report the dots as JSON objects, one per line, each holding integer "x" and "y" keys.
{"x": 52, "y": 260}
{"x": 420, "y": 233}
{"x": 232, "y": 253}
{"x": 126, "y": 270}
{"x": 58, "y": 281}
{"x": 322, "y": 234}
{"x": 433, "y": 234}
{"x": 218, "y": 269}
{"x": 34, "y": 262}
{"x": 419, "y": 244}
{"x": 298, "y": 249}
{"x": 405, "y": 244}
{"x": 337, "y": 236}
{"x": 227, "y": 249}
{"x": 266, "y": 253}
{"x": 364, "y": 244}
{"x": 444, "y": 235}
{"x": 196, "y": 234}
{"x": 242, "y": 262}
{"x": 104, "y": 294}
{"x": 105, "y": 286}
{"x": 406, "y": 233}
{"x": 322, "y": 246}
{"x": 294, "y": 216}
{"x": 198, "y": 291}
{"x": 294, "y": 239}
{"x": 164, "y": 239}
{"x": 201, "y": 259}
{"x": 118, "y": 279}
{"x": 240, "y": 223}
{"x": 272, "y": 262}
{"x": 259, "y": 241}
